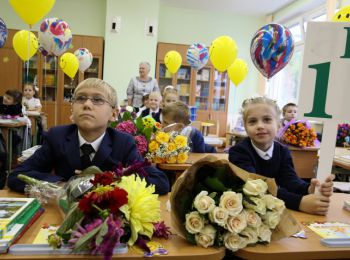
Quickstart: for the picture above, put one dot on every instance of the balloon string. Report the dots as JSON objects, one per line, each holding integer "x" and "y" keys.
{"x": 45, "y": 97}
{"x": 55, "y": 97}
{"x": 28, "y": 50}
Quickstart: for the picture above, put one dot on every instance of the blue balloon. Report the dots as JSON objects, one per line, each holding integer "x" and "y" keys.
{"x": 197, "y": 55}
{"x": 3, "y": 33}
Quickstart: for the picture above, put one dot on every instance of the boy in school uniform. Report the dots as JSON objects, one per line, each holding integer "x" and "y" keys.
{"x": 154, "y": 109}
{"x": 69, "y": 149}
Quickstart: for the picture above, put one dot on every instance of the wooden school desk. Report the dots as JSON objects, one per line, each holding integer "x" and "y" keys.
{"x": 179, "y": 168}
{"x": 178, "y": 248}
{"x": 340, "y": 161}
{"x": 299, "y": 248}
{"x": 7, "y": 129}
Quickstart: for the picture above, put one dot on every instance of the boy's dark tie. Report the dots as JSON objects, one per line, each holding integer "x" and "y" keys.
{"x": 153, "y": 114}
{"x": 86, "y": 149}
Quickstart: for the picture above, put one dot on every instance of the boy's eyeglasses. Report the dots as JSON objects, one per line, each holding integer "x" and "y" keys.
{"x": 96, "y": 100}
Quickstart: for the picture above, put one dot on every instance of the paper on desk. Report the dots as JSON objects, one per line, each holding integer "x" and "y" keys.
{"x": 343, "y": 186}
{"x": 44, "y": 232}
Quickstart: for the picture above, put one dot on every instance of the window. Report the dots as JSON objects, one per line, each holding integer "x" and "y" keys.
{"x": 284, "y": 86}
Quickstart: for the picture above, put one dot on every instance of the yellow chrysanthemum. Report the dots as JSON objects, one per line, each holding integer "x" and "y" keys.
{"x": 171, "y": 159}
{"x": 171, "y": 147}
{"x": 182, "y": 157}
{"x": 153, "y": 146}
{"x": 162, "y": 137}
{"x": 148, "y": 121}
{"x": 143, "y": 208}
{"x": 180, "y": 141}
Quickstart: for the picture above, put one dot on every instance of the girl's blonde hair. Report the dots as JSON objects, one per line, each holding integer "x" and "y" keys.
{"x": 259, "y": 100}
{"x": 170, "y": 91}
{"x": 178, "y": 112}
{"x": 99, "y": 84}
{"x": 155, "y": 94}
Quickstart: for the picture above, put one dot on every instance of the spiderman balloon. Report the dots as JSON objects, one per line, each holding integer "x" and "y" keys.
{"x": 271, "y": 49}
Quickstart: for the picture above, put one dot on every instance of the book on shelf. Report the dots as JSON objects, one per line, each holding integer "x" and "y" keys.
{"x": 182, "y": 74}
{"x": 13, "y": 210}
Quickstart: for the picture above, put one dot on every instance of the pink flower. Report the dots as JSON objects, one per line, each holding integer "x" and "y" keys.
{"x": 127, "y": 126}
{"x": 141, "y": 144}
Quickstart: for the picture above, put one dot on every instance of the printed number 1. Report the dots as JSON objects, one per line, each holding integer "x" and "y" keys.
{"x": 321, "y": 85}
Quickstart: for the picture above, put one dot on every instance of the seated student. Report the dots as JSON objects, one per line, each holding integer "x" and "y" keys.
{"x": 260, "y": 154}
{"x": 178, "y": 112}
{"x": 145, "y": 105}
{"x": 89, "y": 141}
{"x": 30, "y": 100}
{"x": 11, "y": 104}
{"x": 289, "y": 112}
{"x": 154, "y": 109}
{"x": 170, "y": 96}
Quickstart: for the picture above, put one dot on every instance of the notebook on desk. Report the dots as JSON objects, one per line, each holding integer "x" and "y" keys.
{"x": 342, "y": 186}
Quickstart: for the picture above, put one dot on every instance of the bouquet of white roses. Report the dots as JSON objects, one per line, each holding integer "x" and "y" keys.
{"x": 217, "y": 203}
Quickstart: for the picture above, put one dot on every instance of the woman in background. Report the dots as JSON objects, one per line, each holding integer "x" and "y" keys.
{"x": 141, "y": 85}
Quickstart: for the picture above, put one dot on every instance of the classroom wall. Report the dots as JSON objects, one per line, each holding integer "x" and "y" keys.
{"x": 126, "y": 49}
{"x": 86, "y": 17}
{"x": 189, "y": 26}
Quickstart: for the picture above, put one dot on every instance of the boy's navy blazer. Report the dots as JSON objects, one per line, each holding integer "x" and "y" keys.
{"x": 60, "y": 154}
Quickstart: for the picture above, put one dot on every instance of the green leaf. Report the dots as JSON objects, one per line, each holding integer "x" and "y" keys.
{"x": 213, "y": 194}
{"x": 85, "y": 240}
{"x": 126, "y": 116}
{"x": 214, "y": 184}
{"x": 147, "y": 132}
{"x": 139, "y": 124}
{"x": 102, "y": 233}
{"x": 190, "y": 238}
{"x": 74, "y": 215}
{"x": 92, "y": 170}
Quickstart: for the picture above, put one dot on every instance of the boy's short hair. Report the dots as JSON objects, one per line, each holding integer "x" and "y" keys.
{"x": 15, "y": 94}
{"x": 145, "y": 97}
{"x": 99, "y": 84}
{"x": 259, "y": 100}
{"x": 155, "y": 94}
{"x": 178, "y": 111}
{"x": 285, "y": 107}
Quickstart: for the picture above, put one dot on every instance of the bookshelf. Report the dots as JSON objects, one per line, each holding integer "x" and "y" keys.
{"x": 207, "y": 89}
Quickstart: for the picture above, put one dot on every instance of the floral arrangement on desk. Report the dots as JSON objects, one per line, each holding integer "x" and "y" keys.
{"x": 113, "y": 208}
{"x": 140, "y": 128}
{"x": 343, "y": 135}
{"x": 218, "y": 204}
{"x": 168, "y": 148}
{"x": 298, "y": 133}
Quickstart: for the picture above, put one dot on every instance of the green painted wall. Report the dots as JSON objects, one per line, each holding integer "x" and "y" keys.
{"x": 189, "y": 26}
{"x": 126, "y": 49}
{"x": 86, "y": 17}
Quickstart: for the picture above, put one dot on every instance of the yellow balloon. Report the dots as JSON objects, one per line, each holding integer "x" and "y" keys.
{"x": 223, "y": 52}
{"x": 31, "y": 11}
{"x": 69, "y": 63}
{"x": 25, "y": 44}
{"x": 172, "y": 60}
{"x": 343, "y": 15}
{"x": 237, "y": 71}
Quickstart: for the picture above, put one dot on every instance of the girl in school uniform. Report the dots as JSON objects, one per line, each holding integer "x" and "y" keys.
{"x": 260, "y": 153}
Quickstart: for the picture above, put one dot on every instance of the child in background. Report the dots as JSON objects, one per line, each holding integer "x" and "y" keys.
{"x": 289, "y": 112}
{"x": 178, "y": 112}
{"x": 154, "y": 109}
{"x": 170, "y": 96}
{"x": 259, "y": 153}
{"x": 30, "y": 100}
{"x": 11, "y": 104}
{"x": 145, "y": 105}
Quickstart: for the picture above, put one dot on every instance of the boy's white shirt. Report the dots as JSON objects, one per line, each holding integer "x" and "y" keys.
{"x": 264, "y": 155}
{"x": 95, "y": 144}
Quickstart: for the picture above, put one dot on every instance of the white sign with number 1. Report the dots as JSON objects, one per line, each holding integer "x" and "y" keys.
{"x": 325, "y": 84}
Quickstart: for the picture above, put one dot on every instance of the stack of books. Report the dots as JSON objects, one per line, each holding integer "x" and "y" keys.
{"x": 16, "y": 216}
